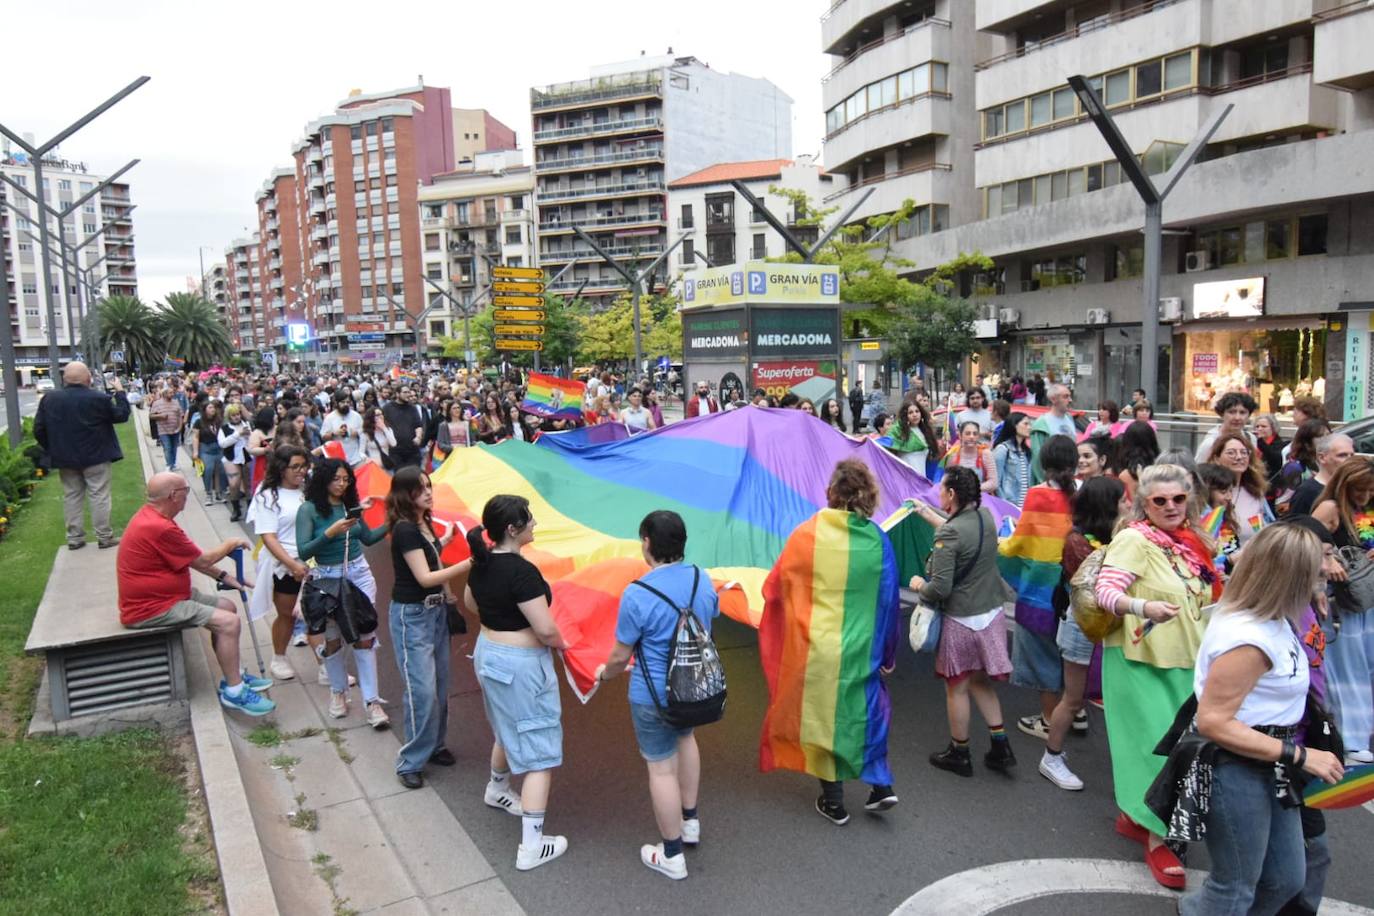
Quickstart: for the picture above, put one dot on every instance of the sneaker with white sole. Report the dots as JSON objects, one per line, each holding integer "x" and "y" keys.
{"x": 376, "y": 715}
{"x": 1035, "y": 726}
{"x": 1056, "y": 769}
{"x": 674, "y": 867}
{"x": 299, "y": 640}
{"x": 503, "y": 799}
{"x": 1080, "y": 722}
{"x": 691, "y": 831}
{"x": 323, "y": 678}
{"x": 1355, "y": 758}
{"x": 248, "y": 701}
{"x": 338, "y": 705}
{"x": 281, "y": 669}
{"x": 549, "y": 848}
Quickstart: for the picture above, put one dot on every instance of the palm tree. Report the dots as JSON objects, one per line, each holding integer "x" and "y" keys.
{"x": 129, "y": 325}
{"x": 190, "y": 329}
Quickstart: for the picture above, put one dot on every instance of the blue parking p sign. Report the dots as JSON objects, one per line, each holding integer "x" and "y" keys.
{"x": 758, "y": 283}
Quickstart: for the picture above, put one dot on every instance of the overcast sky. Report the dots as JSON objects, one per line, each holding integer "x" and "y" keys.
{"x": 233, "y": 84}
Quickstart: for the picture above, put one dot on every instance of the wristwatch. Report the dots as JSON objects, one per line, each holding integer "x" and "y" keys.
{"x": 223, "y": 574}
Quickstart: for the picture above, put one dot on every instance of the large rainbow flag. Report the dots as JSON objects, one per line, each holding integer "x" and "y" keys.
{"x": 1031, "y": 559}
{"x": 831, "y": 619}
{"x": 742, "y": 480}
{"x": 551, "y": 396}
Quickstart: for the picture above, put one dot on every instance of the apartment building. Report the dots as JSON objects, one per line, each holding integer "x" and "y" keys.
{"x": 1268, "y": 258}
{"x": 214, "y": 288}
{"x": 722, "y": 229}
{"x": 338, "y": 241}
{"x": 605, "y": 149}
{"x": 480, "y": 214}
{"x": 101, "y": 230}
{"x": 245, "y": 307}
{"x": 476, "y": 131}
{"x": 898, "y": 102}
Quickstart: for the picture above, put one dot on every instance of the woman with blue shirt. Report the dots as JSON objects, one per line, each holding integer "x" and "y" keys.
{"x": 324, "y": 533}
{"x": 649, "y": 622}
{"x": 1011, "y": 454}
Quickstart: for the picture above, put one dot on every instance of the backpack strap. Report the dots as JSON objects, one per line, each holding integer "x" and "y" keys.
{"x": 639, "y": 644}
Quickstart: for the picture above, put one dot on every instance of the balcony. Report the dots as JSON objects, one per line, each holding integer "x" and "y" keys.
{"x": 320, "y": 233}
{"x": 582, "y": 163}
{"x": 922, "y": 116}
{"x": 584, "y": 93}
{"x": 603, "y": 128}
{"x": 272, "y": 224}
{"x": 1341, "y": 47}
{"x": 601, "y": 222}
{"x": 515, "y": 216}
{"x": 317, "y": 180}
{"x": 274, "y": 264}
{"x": 610, "y": 190}
{"x": 563, "y": 256}
{"x": 435, "y": 222}
{"x": 318, "y": 204}
{"x": 320, "y": 258}
{"x": 927, "y": 40}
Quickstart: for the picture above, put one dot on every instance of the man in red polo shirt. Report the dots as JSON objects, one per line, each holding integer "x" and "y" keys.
{"x": 154, "y": 573}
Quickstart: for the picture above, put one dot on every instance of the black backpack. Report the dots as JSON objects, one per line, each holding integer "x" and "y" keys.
{"x": 695, "y": 692}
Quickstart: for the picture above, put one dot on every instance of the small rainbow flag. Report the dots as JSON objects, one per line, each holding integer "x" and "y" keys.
{"x": 1211, "y": 522}
{"x": 1030, "y": 560}
{"x": 173, "y": 362}
{"x": 1355, "y": 788}
{"x": 550, "y": 396}
{"x": 821, "y": 644}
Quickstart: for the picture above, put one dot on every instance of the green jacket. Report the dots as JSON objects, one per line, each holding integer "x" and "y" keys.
{"x": 981, "y": 588}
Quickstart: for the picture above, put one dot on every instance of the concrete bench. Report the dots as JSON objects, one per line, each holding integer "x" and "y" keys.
{"x": 101, "y": 675}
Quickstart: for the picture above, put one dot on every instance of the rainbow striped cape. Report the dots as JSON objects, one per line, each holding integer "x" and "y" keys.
{"x": 831, "y": 619}
{"x": 550, "y": 396}
{"x": 1031, "y": 559}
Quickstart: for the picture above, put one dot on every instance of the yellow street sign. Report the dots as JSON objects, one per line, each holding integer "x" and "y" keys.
{"x": 534, "y": 329}
{"x": 499, "y": 301}
{"x": 517, "y": 315}
{"x": 517, "y": 273}
{"x": 507, "y": 344}
{"x": 518, "y": 287}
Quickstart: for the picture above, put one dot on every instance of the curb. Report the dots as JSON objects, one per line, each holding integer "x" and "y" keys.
{"x": 242, "y": 865}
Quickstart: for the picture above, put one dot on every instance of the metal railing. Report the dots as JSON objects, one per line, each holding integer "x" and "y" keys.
{"x": 623, "y": 220}
{"x": 1095, "y": 24}
{"x": 562, "y": 256}
{"x": 576, "y": 162}
{"x": 877, "y": 42}
{"x": 604, "y": 127}
{"x": 578, "y": 193}
{"x": 554, "y": 99}
{"x": 834, "y": 6}
{"x": 888, "y": 176}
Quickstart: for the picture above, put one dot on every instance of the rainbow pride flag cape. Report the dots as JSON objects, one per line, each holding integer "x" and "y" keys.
{"x": 742, "y": 480}
{"x": 831, "y": 619}
{"x": 1355, "y": 788}
{"x": 1031, "y": 559}
{"x": 550, "y": 396}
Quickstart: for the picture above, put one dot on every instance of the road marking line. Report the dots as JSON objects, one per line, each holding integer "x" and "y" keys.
{"x": 985, "y": 890}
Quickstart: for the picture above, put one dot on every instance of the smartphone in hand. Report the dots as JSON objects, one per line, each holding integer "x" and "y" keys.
{"x": 353, "y": 511}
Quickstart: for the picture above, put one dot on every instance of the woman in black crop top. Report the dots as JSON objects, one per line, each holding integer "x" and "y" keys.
{"x": 419, "y": 621}
{"x": 515, "y": 669}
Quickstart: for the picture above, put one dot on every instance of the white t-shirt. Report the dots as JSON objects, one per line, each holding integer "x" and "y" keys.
{"x": 279, "y": 519}
{"x": 636, "y": 420}
{"x": 982, "y": 417}
{"x": 353, "y": 441}
{"x": 1280, "y": 695}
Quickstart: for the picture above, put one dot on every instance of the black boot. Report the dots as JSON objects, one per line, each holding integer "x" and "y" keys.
{"x": 1000, "y": 756}
{"x": 953, "y": 758}
{"x": 235, "y": 510}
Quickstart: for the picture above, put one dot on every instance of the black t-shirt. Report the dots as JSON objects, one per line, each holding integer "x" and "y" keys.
{"x": 1305, "y": 497}
{"x": 405, "y": 537}
{"x": 500, "y": 584}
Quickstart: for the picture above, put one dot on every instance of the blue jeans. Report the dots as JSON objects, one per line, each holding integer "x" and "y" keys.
{"x": 170, "y": 443}
{"x": 1256, "y": 846}
{"x": 213, "y": 477}
{"x": 419, "y": 637}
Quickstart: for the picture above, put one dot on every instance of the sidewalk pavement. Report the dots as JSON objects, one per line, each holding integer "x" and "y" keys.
{"x": 335, "y": 828}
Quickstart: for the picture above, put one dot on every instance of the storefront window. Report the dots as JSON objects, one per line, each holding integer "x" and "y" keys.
{"x": 1273, "y": 365}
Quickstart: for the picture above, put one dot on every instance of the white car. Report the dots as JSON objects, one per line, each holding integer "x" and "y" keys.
{"x": 43, "y": 384}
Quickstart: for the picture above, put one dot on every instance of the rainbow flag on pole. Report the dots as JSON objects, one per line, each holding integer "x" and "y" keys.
{"x": 1031, "y": 559}
{"x": 551, "y": 396}
{"x": 1355, "y": 788}
{"x": 821, "y": 644}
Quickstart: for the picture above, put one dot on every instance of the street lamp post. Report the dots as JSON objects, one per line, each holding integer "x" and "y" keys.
{"x": 1153, "y": 196}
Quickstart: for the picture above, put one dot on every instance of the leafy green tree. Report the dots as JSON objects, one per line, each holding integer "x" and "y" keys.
{"x": 608, "y": 336}
{"x": 937, "y": 332}
{"x": 189, "y": 327}
{"x": 127, "y": 324}
{"x": 665, "y": 337}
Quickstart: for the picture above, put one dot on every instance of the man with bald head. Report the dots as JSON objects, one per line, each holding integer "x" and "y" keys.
{"x": 75, "y": 426}
{"x": 154, "y": 574}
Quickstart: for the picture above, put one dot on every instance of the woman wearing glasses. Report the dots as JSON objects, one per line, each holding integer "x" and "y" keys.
{"x": 1157, "y": 575}
{"x": 1234, "y": 452}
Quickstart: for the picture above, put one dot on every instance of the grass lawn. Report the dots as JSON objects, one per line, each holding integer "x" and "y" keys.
{"x": 99, "y": 825}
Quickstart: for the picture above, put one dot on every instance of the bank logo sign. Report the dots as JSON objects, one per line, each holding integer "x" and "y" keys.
{"x": 762, "y": 283}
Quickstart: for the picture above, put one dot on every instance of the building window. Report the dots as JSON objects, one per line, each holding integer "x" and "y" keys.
{"x": 88, "y": 228}
{"x": 64, "y": 184}
{"x": 686, "y": 221}
{"x": 391, "y": 179}
{"x": 758, "y": 252}
{"x": 388, "y": 125}
{"x": 888, "y": 92}
{"x": 689, "y": 251}
{"x": 356, "y": 131}
{"x": 431, "y": 241}
{"x": 1277, "y": 239}
{"x": 1312, "y": 234}
{"x": 720, "y": 212}
{"x": 370, "y": 128}
{"x": 720, "y": 249}
{"x": 1067, "y": 270}
{"x": 513, "y": 235}
{"x": 435, "y": 273}
{"x": 1118, "y": 88}
{"x": 516, "y": 201}
{"x": 1148, "y": 79}
{"x": 1127, "y": 262}
{"x": 1178, "y": 70}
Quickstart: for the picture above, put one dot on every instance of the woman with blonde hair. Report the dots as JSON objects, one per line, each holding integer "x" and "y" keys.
{"x": 1157, "y": 575}
{"x": 1251, "y": 682}
{"x": 1344, "y": 508}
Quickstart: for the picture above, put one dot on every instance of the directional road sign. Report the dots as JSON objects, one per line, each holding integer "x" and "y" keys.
{"x": 517, "y": 315}
{"x": 499, "y": 301}
{"x": 503, "y": 343}
{"x": 533, "y": 329}
{"x": 518, "y": 287}
{"x": 517, "y": 273}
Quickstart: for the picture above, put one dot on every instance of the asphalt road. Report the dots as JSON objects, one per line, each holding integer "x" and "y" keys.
{"x": 764, "y": 849}
{"x": 28, "y": 405}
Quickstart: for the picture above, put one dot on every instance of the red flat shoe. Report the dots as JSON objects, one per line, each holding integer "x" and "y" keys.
{"x": 1131, "y": 830}
{"x": 1160, "y": 858}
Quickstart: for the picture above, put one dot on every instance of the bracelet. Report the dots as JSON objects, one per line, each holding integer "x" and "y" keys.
{"x": 1288, "y": 754}
{"x": 1138, "y": 606}
{"x": 1302, "y": 757}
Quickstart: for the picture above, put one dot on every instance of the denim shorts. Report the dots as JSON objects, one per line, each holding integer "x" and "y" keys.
{"x": 1073, "y": 645}
{"x": 520, "y": 693}
{"x": 1035, "y": 661}
{"x": 657, "y": 739}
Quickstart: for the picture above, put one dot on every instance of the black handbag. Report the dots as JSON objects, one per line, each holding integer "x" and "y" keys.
{"x": 1356, "y": 594}
{"x": 340, "y": 599}
{"x": 457, "y": 623}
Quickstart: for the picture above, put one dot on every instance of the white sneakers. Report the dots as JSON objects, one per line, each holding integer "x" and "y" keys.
{"x": 338, "y": 705}
{"x": 691, "y": 831}
{"x": 1056, "y": 769}
{"x": 376, "y": 715}
{"x": 550, "y": 848}
{"x": 674, "y": 867}
{"x": 502, "y": 799}
{"x": 323, "y": 678}
{"x": 1353, "y": 758}
{"x": 282, "y": 670}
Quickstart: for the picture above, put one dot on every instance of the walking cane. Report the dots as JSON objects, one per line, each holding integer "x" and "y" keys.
{"x": 243, "y": 599}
